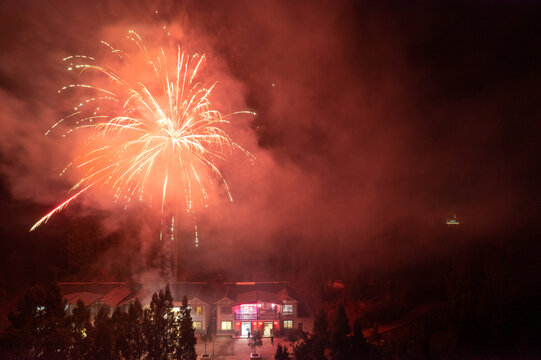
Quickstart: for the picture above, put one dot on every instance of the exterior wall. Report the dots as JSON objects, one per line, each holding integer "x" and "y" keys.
{"x": 222, "y": 315}
{"x": 204, "y": 314}
{"x": 289, "y": 316}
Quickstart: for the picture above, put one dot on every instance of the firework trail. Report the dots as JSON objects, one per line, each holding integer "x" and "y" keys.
{"x": 156, "y": 139}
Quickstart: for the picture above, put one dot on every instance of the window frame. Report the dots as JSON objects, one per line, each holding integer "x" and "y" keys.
{"x": 288, "y": 312}
{"x": 289, "y": 322}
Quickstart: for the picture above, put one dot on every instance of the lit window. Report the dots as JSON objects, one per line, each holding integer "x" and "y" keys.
{"x": 198, "y": 310}
{"x": 288, "y": 324}
{"x": 197, "y": 325}
{"x": 176, "y": 308}
{"x": 226, "y": 325}
{"x": 288, "y": 309}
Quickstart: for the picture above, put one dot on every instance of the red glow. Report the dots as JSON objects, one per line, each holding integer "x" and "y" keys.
{"x": 260, "y": 323}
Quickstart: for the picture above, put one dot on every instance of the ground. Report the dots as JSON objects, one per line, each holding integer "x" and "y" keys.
{"x": 237, "y": 349}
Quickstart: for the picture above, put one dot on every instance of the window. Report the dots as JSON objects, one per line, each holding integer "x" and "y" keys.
{"x": 197, "y": 310}
{"x": 288, "y": 309}
{"x": 176, "y": 309}
{"x": 288, "y": 324}
{"x": 226, "y": 325}
{"x": 225, "y": 310}
{"x": 197, "y": 325}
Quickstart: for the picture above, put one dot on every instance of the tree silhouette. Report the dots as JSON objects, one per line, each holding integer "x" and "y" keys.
{"x": 158, "y": 326}
{"x": 187, "y": 341}
{"x": 339, "y": 337}
{"x": 281, "y": 353}
{"x": 39, "y": 327}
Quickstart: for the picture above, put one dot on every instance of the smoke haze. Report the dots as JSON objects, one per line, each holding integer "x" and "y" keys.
{"x": 373, "y": 124}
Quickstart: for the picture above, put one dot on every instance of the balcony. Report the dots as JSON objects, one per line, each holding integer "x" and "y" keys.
{"x": 260, "y": 315}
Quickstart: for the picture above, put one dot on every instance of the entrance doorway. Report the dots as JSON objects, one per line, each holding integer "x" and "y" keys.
{"x": 267, "y": 327}
{"x": 246, "y": 327}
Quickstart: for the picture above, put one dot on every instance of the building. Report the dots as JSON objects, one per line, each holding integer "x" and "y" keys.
{"x": 250, "y": 307}
{"x": 230, "y": 309}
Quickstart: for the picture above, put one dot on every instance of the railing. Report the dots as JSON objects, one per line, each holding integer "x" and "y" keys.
{"x": 268, "y": 315}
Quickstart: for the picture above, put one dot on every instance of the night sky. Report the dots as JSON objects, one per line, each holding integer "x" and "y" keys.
{"x": 375, "y": 122}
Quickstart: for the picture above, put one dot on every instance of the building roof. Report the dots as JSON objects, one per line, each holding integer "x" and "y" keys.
{"x": 116, "y": 296}
{"x": 88, "y": 298}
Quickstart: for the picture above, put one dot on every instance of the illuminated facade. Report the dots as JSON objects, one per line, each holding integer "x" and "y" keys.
{"x": 247, "y": 310}
{"x": 232, "y": 309}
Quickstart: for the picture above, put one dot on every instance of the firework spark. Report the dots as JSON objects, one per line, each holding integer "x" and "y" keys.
{"x": 148, "y": 140}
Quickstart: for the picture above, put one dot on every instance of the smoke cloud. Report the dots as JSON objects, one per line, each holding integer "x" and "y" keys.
{"x": 373, "y": 124}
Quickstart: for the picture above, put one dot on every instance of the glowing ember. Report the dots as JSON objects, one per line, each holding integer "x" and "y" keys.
{"x": 155, "y": 140}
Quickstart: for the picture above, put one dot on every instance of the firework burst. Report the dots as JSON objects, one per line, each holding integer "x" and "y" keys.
{"x": 156, "y": 139}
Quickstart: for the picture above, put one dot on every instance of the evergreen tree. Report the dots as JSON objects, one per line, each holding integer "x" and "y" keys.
{"x": 320, "y": 337}
{"x": 104, "y": 339}
{"x": 187, "y": 341}
{"x": 360, "y": 349}
{"x": 81, "y": 332}
{"x": 321, "y": 325}
{"x": 120, "y": 325}
{"x": 281, "y": 353}
{"x": 339, "y": 339}
{"x": 134, "y": 345}
{"x": 39, "y": 328}
{"x": 158, "y": 326}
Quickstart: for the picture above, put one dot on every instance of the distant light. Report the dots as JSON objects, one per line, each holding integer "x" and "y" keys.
{"x": 452, "y": 221}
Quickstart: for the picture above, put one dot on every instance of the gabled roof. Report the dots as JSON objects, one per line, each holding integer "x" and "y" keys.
{"x": 190, "y": 290}
{"x": 116, "y": 296}
{"x": 88, "y": 298}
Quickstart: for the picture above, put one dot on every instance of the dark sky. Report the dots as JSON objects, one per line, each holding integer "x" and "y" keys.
{"x": 384, "y": 119}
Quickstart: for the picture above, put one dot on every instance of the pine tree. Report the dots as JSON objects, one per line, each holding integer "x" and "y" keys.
{"x": 281, "y": 353}
{"x": 158, "y": 326}
{"x": 339, "y": 339}
{"x": 104, "y": 339}
{"x": 319, "y": 340}
{"x": 135, "y": 344}
{"x": 120, "y": 325}
{"x": 187, "y": 340}
{"x": 81, "y": 332}
{"x": 360, "y": 349}
{"x": 39, "y": 327}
